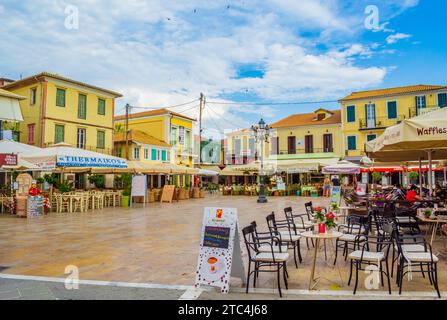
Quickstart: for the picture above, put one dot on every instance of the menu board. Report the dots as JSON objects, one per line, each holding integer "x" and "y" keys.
{"x": 220, "y": 251}
{"x": 168, "y": 193}
{"x": 216, "y": 237}
{"x": 139, "y": 186}
{"x": 335, "y": 194}
{"x": 35, "y": 207}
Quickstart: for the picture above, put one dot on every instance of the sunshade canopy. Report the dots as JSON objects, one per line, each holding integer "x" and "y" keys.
{"x": 342, "y": 167}
{"x": 9, "y": 106}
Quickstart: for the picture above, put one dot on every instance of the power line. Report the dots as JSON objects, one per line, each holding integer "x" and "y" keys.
{"x": 220, "y": 117}
{"x": 170, "y": 107}
{"x": 273, "y": 103}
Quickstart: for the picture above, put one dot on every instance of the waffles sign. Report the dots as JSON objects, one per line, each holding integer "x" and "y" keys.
{"x": 220, "y": 251}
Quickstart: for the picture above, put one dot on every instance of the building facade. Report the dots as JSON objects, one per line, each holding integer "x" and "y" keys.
{"x": 366, "y": 114}
{"x": 306, "y": 140}
{"x": 172, "y": 128}
{"x": 240, "y": 148}
{"x": 62, "y": 110}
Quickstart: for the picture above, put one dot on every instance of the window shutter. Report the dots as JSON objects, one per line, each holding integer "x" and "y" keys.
{"x": 350, "y": 110}
{"x": 392, "y": 110}
{"x": 442, "y": 100}
{"x": 82, "y": 106}
{"x": 163, "y": 155}
{"x": 154, "y": 154}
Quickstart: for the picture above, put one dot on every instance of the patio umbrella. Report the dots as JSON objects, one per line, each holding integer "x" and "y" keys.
{"x": 410, "y": 139}
{"x": 342, "y": 167}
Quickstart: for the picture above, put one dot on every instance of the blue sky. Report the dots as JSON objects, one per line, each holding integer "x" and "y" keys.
{"x": 161, "y": 52}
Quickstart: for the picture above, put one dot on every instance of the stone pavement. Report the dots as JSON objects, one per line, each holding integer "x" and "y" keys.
{"x": 158, "y": 244}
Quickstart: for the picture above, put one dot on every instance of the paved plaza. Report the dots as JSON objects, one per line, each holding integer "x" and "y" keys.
{"x": 158, "y": 245}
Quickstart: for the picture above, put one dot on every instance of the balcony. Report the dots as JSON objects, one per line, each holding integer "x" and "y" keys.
{"x": 108, "y": 151}
{"x": 413, "y": 111}
{"x": 303, "y": 151}
{"x": 379, "y": 122}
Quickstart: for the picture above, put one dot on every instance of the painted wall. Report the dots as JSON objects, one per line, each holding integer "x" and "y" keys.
{"x": 406, "y": 108}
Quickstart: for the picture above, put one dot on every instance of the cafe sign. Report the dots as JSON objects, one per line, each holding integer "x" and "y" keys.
{"x": 78, "y": 161}
{"x": 7, "y": 159}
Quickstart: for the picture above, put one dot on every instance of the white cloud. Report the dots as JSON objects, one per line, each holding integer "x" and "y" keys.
{"x": 396, "y": 37}
{"x": 160, "y": 53}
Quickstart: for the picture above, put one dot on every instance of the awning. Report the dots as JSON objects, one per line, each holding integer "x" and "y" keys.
{"x": 209, "y": 173}
{"x": 10, "y": 106}
{"x": 342, "y": 167}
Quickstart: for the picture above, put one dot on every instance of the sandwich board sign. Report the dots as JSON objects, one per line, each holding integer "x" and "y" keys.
{"x": 336, "y": 195}
{"x": 220, "y": 254}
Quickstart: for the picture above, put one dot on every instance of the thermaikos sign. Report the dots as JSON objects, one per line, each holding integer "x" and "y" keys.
{"x": 75, "y": 161}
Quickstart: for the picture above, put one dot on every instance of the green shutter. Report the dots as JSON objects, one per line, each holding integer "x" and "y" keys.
{"x": 60, "y": 97}
{"x": 392, "y": 110}
{"x": 101, "y": 107}
{"x": 100, "y": 143}
{"x": 59, "y": 134}
{"x": 352, "y": 143}
{"x": 154, "y": 154}
{"x": 442, "y": 100}
{"x": 82, "y": 106}
{"x": 350, "y": 110}
{"x": 163, "y": 155}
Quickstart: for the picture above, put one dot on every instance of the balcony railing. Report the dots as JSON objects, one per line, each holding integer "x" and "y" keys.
{"x": 379, "y": 122}
{"x": 413, "y": 112}
{"x": 108, "y": 151}
{"x": 303, "y": 151}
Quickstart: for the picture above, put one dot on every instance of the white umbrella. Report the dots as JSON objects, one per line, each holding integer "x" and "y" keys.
{"x": 342, "y": 167}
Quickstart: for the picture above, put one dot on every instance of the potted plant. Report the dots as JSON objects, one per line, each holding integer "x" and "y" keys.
{"x": 64, "y": 186}
{"x": 318, "y": 214}
{"x": 334, "y": 207}
{"x": 413, "y": 176}
{"x": 330, "y": 221}
{"x": 427, "y": 213}
{"x": 202, "y": 192}
{"x": 98, "y": 180}
{"x": 376, "y": 177}
{"x": 126, "y": 180}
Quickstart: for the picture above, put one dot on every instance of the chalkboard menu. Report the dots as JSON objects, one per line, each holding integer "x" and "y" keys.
{"x": 216, "y": 237}
{"x": 35, "y": 207}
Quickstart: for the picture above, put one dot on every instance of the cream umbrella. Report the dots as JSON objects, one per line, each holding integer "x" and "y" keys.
{"x": 418, "y": 138}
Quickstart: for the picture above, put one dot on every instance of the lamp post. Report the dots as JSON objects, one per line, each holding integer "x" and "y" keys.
{"x": 261, "y": 133}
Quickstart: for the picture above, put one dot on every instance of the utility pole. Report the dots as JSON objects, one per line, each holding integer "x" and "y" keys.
{"x": 201, "y": 107}
{"x": 127, "y": 131}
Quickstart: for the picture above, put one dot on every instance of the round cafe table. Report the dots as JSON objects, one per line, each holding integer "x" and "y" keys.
{"x": 319, "y": 236}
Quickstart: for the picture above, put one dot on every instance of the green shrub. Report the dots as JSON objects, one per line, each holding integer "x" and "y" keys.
{"x": 98, "y": 180}
{"x": 376, "y": 176}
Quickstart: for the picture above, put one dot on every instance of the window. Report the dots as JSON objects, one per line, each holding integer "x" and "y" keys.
{"x": 82, "y": 106}
{"x": 350, "y": 114}
{"x": 420, "y": 103}
{"x": 168, "y": 156}
{"x": 237, "y": 148}
{"x": 309, "y": 144}
{"x": 146, "y": 153}
{"x": 163, "y": 155}
{"x": 321, "y": 116}
{"x": 119, "y": 151}
{"x": 101, "y": 107}
{"x": 352, "y": 143}
{"x": 370, "y": 137}
{"x": 392, "y": 109}
{"x": 60, "y": 97}
{"x": 136, "y": 153}
{"x": 275, "y": 146}
{"x": 328, "y": 142}
{"x": 251, "y": 146}
{"x": 154, "y": 154}
{"x": 187, "y": 140}
{"x": 174, "y": 136}
{"x": 81, "y": 138}
{"x": 442, "y": 100}
{"x": 100, "y": 140}
{"x": 31, "y": 128}
{"x": 181, "y": 135}
{"x": 291, "y": 145}
{"x": 59, "y": 133}
{"x": 33, "y": 96}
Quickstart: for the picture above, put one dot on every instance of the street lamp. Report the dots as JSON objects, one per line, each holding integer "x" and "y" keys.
{"x": 261, "y": 133}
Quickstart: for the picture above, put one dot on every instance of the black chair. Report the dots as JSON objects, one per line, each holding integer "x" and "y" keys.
{"x": 300, "y": 220}
{"x": 367, "y": 256}
{"x": 272, "y": 261}
{"x": 356, "y": 229}
{"x": 287, "y": 234}
{"x": 412, "y": 261}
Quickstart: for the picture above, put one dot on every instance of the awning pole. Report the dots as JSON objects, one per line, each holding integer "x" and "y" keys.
{"x": 445, "y": 176}
{"x": 430, "y": 172}
{"x": 420, "y": 176}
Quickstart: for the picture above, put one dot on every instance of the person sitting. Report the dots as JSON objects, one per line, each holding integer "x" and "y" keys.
{"x": 398, "y": 193}
{"x": 440, "y": 192}
{"x": 412, "y": 194}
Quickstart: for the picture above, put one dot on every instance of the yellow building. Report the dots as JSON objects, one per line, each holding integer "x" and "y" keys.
{"x": 240, "y": 148}
{"x": 58, "y": 109}
{"x": 366, "y": 114}
{"x": 141, "y": 147}
{"x": 305, "y": 142}
{"x": 170, "y": 127}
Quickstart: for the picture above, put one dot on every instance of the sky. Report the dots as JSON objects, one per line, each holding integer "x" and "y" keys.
{"x": 161, "y": 53}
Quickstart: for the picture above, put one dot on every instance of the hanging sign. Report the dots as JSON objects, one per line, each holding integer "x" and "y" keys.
{"x": 7, "y": 159}
{"x": 335, "y": 194}
{"x": 361, "y": 189}
{"x": 78, "y": 161}
{"x": 220, "y": 251}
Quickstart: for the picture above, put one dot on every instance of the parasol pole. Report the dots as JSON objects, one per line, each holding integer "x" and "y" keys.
{"x": 430, "y": 172}
{"x": 420, "y": 176}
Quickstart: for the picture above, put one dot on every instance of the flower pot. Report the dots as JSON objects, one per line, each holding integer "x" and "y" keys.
{"x": 321, "y": 228}
{"x": 202, "y": 193}
{"x": 125, "y": 201}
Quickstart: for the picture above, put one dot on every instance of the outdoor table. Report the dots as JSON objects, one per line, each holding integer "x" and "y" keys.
{"x": 432, "y": 220}
{"x": 324, "y": 236}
